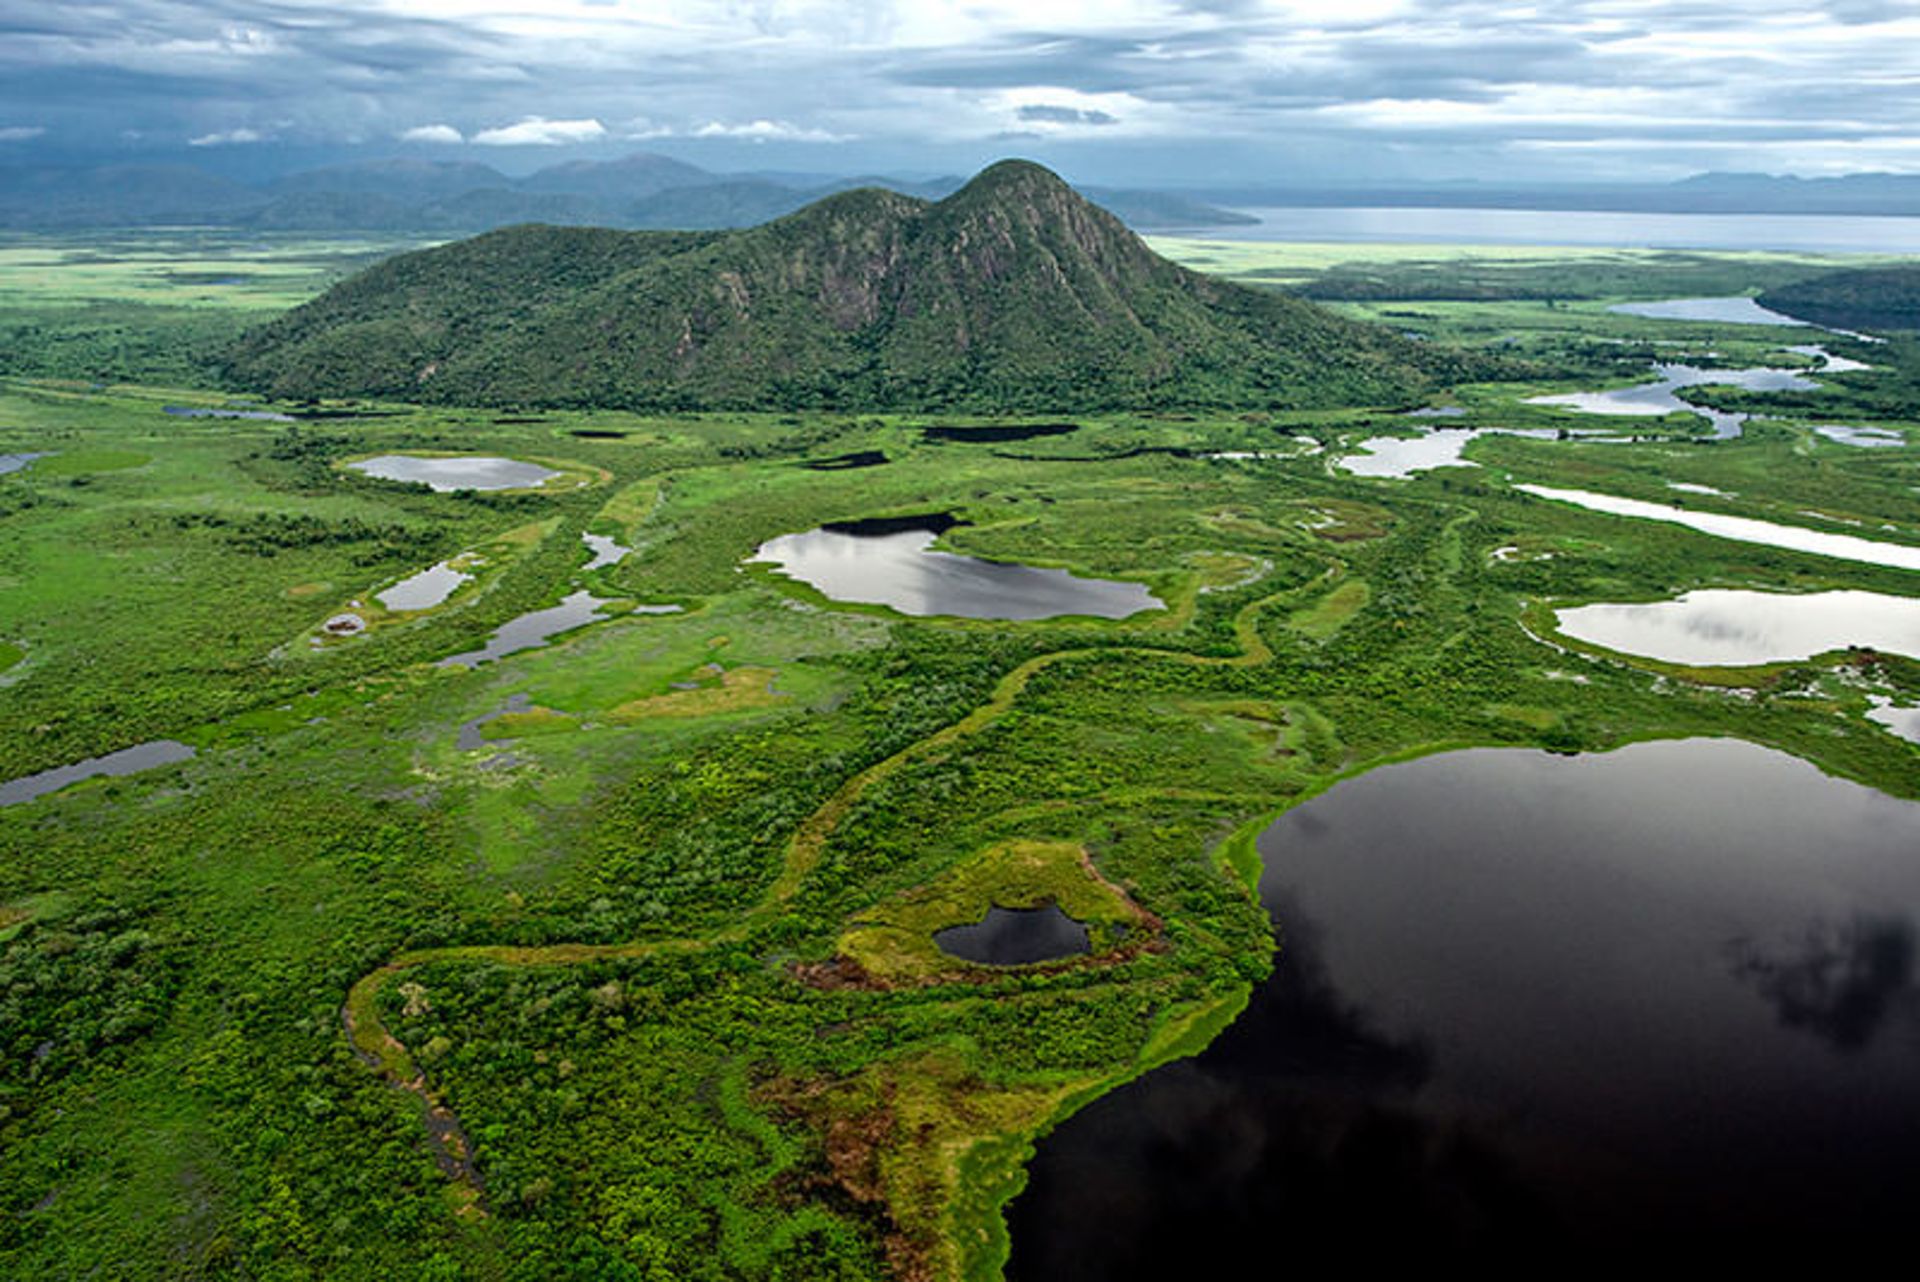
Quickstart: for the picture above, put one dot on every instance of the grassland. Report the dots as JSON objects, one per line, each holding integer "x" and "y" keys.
{"x": 643, "y": 985}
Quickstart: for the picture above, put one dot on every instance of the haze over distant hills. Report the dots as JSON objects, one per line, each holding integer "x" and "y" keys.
{"x": 1014, "y": 292}
{"x": 408, "y": 194}
{"x": 1708, "y": 193}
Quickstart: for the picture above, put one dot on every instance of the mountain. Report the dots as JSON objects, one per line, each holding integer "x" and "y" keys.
{"x": 121, "y": 196}
{"x": 403, "y": 179}
{"x": 1015, "y": 292}
{"x": 630, "y": 178}
{"x": 1871, "y": 298}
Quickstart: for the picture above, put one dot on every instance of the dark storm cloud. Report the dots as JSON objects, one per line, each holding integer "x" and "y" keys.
{"x": 1043, "y": 113}
{"x": 938, "y": 78}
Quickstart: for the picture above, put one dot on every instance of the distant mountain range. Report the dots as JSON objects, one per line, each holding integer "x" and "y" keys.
{"x": 1013, "y": 293}
{"x": 1710, "y": 193}
{"x": 636, "y": 192}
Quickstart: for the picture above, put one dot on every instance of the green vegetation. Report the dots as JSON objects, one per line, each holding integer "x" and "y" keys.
{"x": 631, "y": 933}
{"x": 1876, "y": 298}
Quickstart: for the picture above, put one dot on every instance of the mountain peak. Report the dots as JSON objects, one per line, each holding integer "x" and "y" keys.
{"x": 1013, "y": 178}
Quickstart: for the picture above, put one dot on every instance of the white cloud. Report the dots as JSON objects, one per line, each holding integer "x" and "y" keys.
{"x": 20, "y": 133}
{"x": 538, "y": 131}
{"x": 227, "y": 138}
{"x": 432, "y": 133}
{"x": 765, "y": 131}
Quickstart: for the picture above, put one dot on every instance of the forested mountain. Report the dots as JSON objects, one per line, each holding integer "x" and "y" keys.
{"x": 1014, "y": 292}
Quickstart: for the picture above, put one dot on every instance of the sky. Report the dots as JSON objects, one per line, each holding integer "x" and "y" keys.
{"x": 1175, "y": 92}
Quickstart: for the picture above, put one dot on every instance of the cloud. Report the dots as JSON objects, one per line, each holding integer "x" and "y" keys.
{"x": 538, "y": 131}
{"x": 432, "y": 133}
{"x": 227, "y": 138}
{"x": 764, "y": 131}
{"x": 20, "y": 133}
{"x": 1203, "y": 88}
{"x": 1047, "y": 113}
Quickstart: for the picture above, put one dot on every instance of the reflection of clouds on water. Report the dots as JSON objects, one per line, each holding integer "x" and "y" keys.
{"x": 1303, "y": 1116}
{"x": 1842, "y": 983}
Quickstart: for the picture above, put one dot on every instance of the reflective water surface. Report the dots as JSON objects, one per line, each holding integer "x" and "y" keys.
{"x": 424, "y": 590}
{"x": 1743, "y": 529}
{"x": 16, "y": 462}
{"x": 1016, "y": 937}
{"x": 890, "y": 562}
{"x": 1396, "y": 456}
{"x": 1657, "y": 1004}
{"x": 1730, "y": 626}
{"x": 1657, "y": 399}
{"x": 535, "y": 628}
{"x": 143, "y": 756}
{"x": 1737, "y": 310}
{"x": 1864, "y": 437}
{"x": 474, "y": 472}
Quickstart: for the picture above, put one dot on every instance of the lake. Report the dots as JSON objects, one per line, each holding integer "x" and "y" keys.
{"x": 1719, "y": 626}
{"x": 1734, "y": 310}
{"x": 471, "y": 472}
{"x": 1529, "y": 1011}
{"x": 891, "y": 562}
{"x": 1811, "y": 233}
{"x": 17, "y": 462}
{"x": 1743, "y": 529}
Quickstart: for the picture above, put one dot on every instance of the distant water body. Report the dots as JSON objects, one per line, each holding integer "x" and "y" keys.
{"x": 1806, "y": 233}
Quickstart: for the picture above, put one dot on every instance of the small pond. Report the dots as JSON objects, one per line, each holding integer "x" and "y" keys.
{"x": 1881, "y": 438}
{"x": 533, "y": 629}
{"x": 144, "y": 756}
{"x": 424, "y": 590}
{"x": 1717, "y": 626}
{"x": 1401, "y": 456}
{"x": 467, "y": 472}
{"x": 891, "y": 562}
{"x": 17, "y": 462}
{"x": 1742, "y": 529}
{"x": 1016, "y": 937}
{"x": 1661, "y": 1000}
{"x": 996, "y": 433}
{"x": 847, "y": 462}
{"x": 606, "y": 551}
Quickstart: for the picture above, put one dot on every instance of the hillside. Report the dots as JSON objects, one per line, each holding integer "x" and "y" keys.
{"x": 1014, "y": 292}
{"x": 1873, "y": 298}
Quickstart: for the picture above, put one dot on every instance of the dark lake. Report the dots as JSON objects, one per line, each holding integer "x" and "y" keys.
{"x": 890, "y": 561}
{"x": 1654, "y": 1005}
{"x": 1016, "y": 937}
